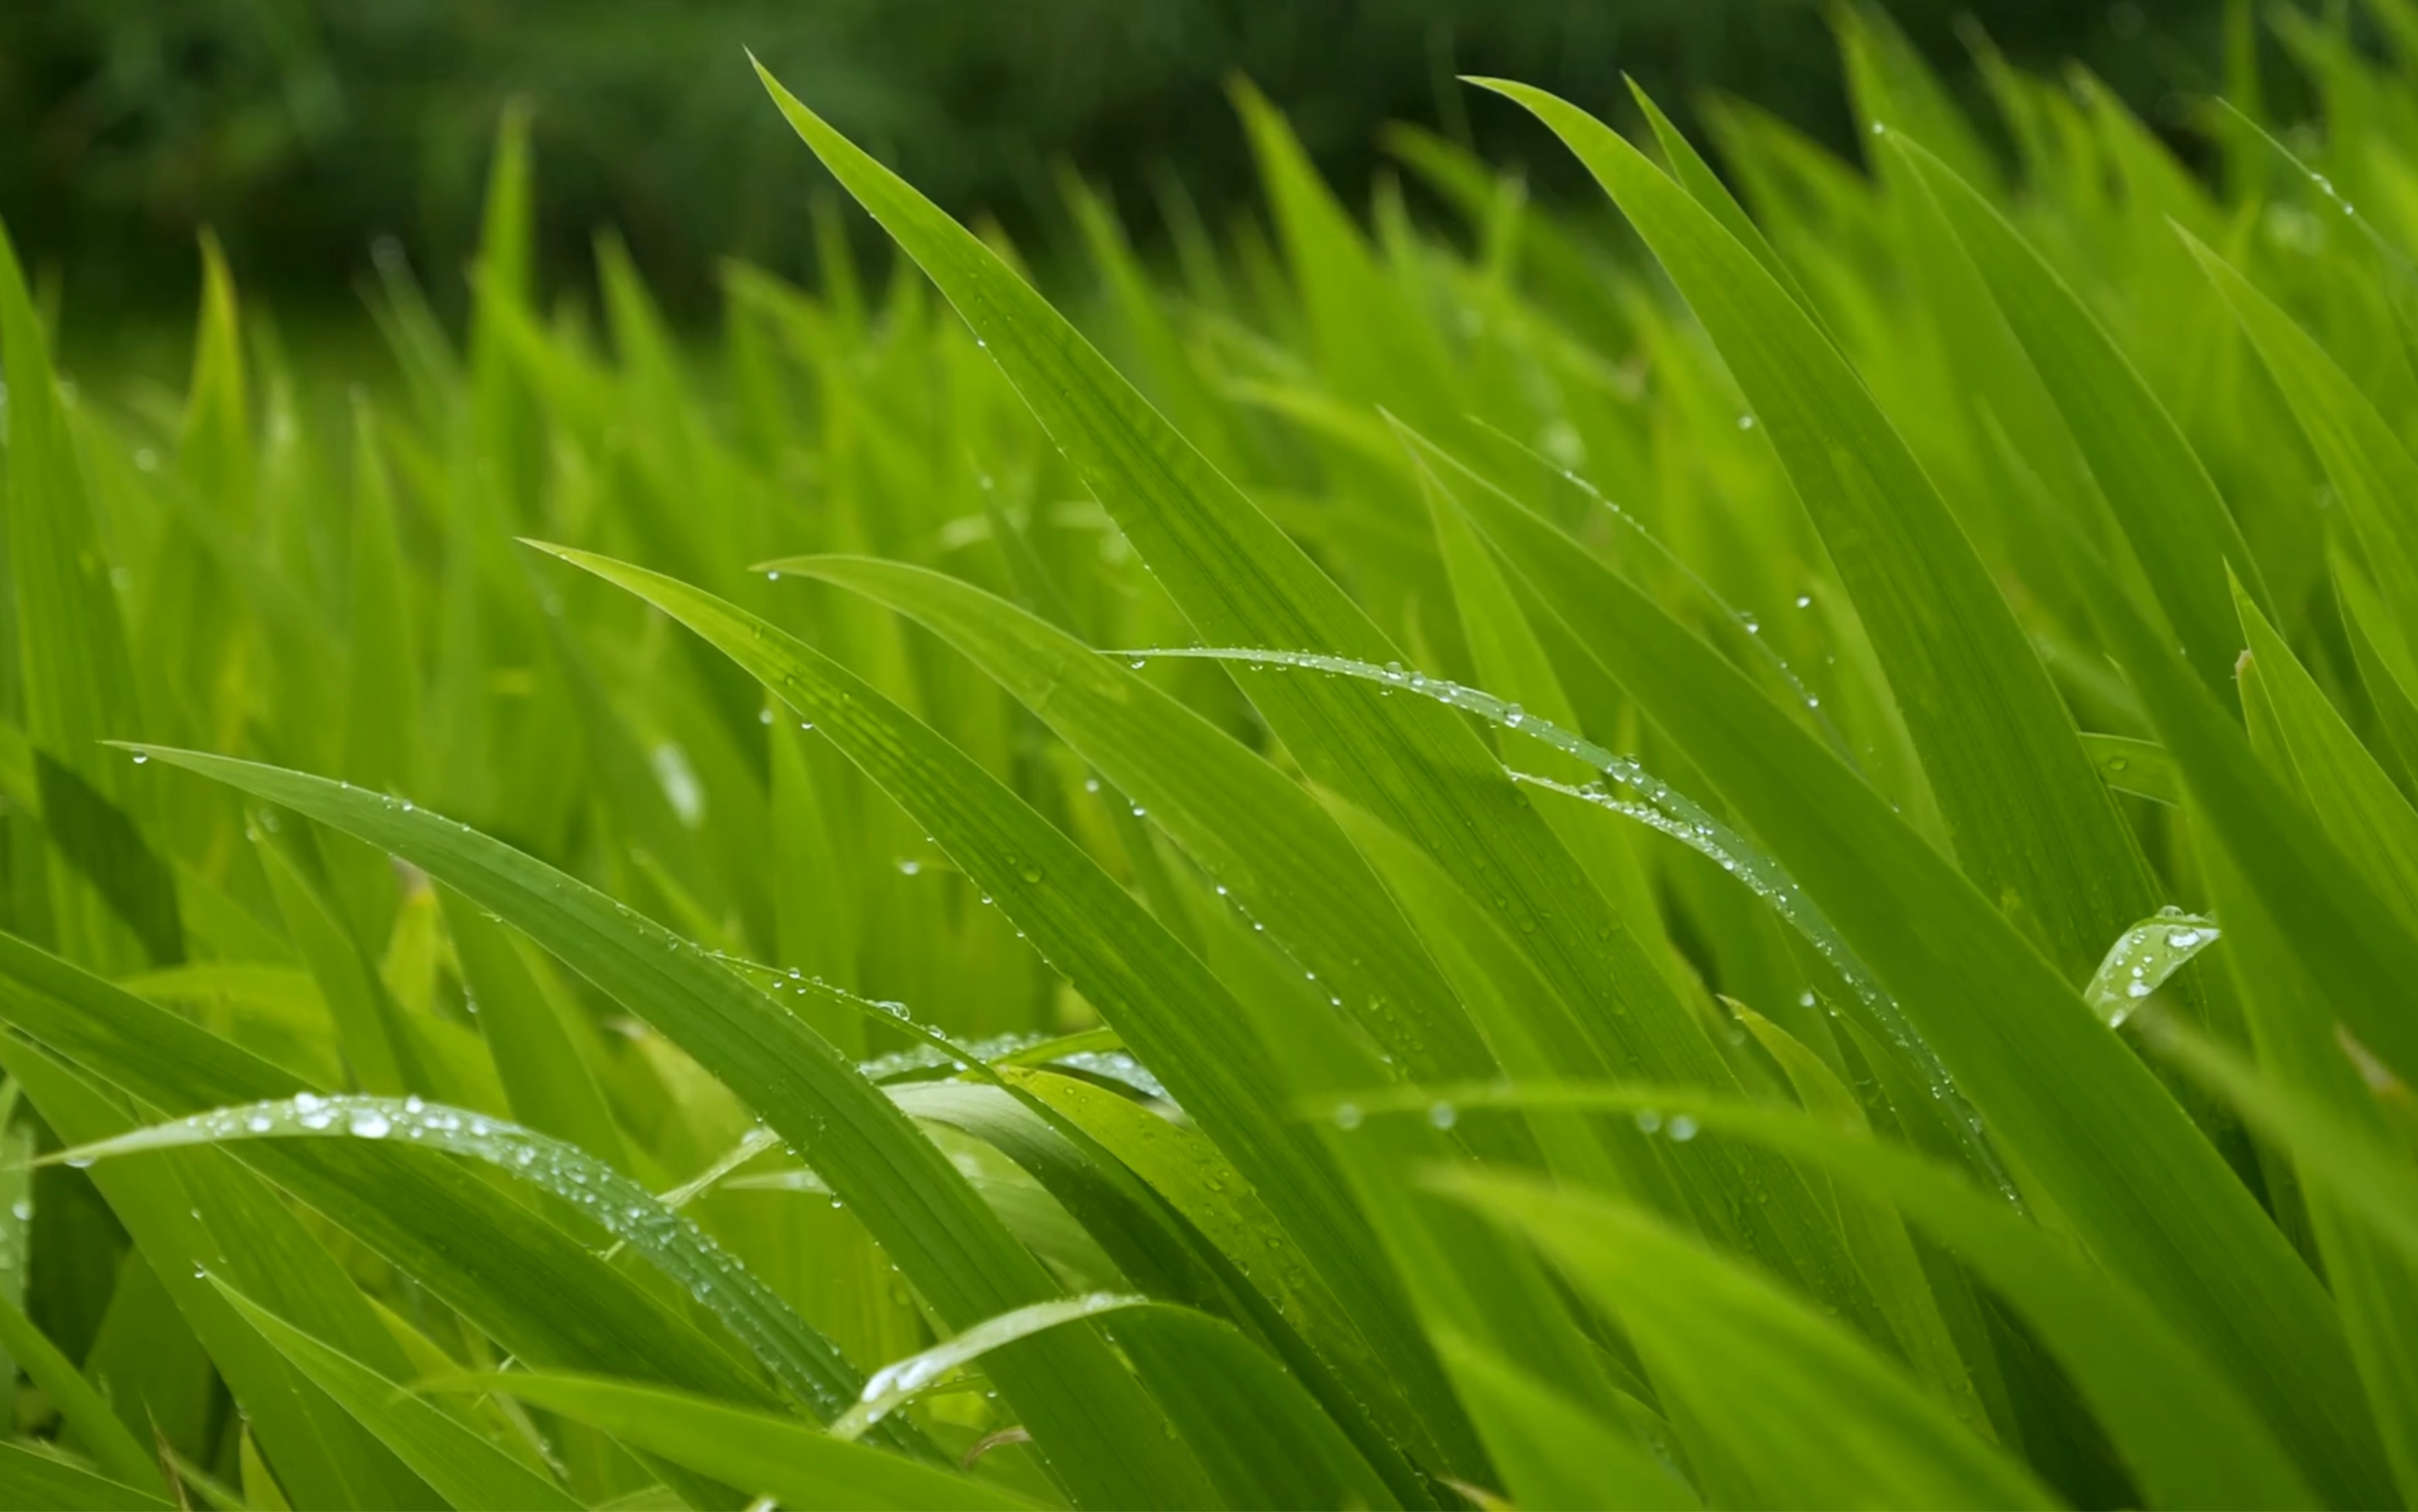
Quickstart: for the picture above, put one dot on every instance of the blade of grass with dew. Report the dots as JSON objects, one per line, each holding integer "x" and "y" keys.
{"x": 467, "y": 1471}
{"x": 796, "y": 1465}
{"x": 1798, "y": 1410}
{"x": 326, "y": 1457}
{"x": 806, "y": 1365}
{"x": 2091, "y": 1126}
{"x": 1190, "y": 1175}
{"x": 2030, "y": 821}
{"x": 1176, "y": 1016}
{"x": 1877, "y": 1236}
{"x": 1077, "y": 1397}
{"x": 2152, "y": 482}
{"x": 557, "y": 1304}
{"x": 1256, "y": 833}
{"x": 1239, "y": 580}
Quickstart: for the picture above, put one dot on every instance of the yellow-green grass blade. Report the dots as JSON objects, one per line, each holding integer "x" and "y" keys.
{"x": 1077, "y": 1399}
{"x": 1163, "y": 1002}
{"x": 793, "y": 1463}
{"x": 1778, "y": 1405}
{"x": 1239, "y": 581}
{"x": 2030, "y": 821}
{"x": 2098, "y": 1136}
{"x": 469, "y": 1472}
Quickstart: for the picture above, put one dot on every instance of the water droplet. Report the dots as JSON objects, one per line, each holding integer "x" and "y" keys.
{"x": 1648, "y": 1121}
{"x": 1443, "y": 1115}
{"x": 369, "y": 1123}
{"x": 1347, "y": 1117}
{"x": 141, "y": 757}
{"x": 1746, "y": 422}
{"x": 1683, "y": 1128}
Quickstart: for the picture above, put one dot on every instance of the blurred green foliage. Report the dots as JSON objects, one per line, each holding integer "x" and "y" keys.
{"x": 303, "y": 132}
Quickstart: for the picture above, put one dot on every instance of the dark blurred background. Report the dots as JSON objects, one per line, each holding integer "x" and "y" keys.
{"x": 302, "y": 133}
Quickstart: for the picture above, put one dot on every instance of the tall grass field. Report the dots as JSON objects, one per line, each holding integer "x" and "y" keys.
{"x": 1749, "y": 845}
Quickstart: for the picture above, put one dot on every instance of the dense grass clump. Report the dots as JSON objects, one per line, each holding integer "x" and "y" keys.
{"x": 1465, "y": 872}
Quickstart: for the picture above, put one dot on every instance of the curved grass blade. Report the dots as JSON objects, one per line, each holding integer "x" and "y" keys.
{"x": 2143, "y": 957}
{"x": 1552, "y": 1451}
{"x": 803, "y": 1361}
{"x": 2030, "y": 821}
{"x": 32, "y": 1482}
{"x": 2369, "y": 465}
{"x": 2073, "y": 1109}
{"x": 1076, "y": 1397}
{"x": 1238, "y": 579}
{"x": 2190, "y": 1438}
{"x": 1777, "y": 1404}
{"x": 894, "y": 1384}
{"x": 800, "y": 1468}
{"x": 469, "y": 1472}
{"x": 87, "y": 1416}
{"x": 1264, "y": 842}
{"x": 1265, "y": 1438}
{"x": 2149, "y": 479}
{"x": 1174, "y": 1016}
{"x": 557, "y": 1306}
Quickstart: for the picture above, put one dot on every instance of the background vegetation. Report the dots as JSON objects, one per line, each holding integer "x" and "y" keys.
{"x": 303, "y": 133}
{"x": 1757, "y": 855}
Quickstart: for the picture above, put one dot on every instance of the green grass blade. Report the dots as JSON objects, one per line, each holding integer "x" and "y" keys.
{"x": 89, "y": 1417}
{"x": 546, "y": 1081}
{"x": 32, "y": 1482}
{"x": 2181, "y": 533}
{"x": 2091, "y": 1126}
{"x": 1165, "y": 1005}
{"x": 1554, "y": 1452}
{"x": 1240, "y": 581}
{"x": 1076, "y": 1397}
{"x": 75, "y": 673}
{"x": 2369, "y": 464}
{"x": 798, "y": 1466}
{"x": 2030, "y": 819}
{"x": 804, "y": 1362}
{"x": 1779, "y": 1406}
{"x": 469, "y": 1472}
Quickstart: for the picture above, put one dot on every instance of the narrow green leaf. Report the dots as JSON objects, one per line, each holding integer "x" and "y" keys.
{"x": 1779, "y": 1406}
{"x": 2030, "y": 819}
{"x": 469, "y": 1472}
{"x": 1077, "y": 1398}
{"x": 32, "y": 1482}
{"x": 796, "y": 1465}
